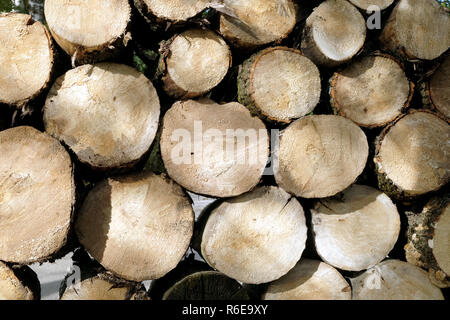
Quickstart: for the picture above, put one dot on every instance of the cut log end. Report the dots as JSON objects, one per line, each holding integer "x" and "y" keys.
{"x": 212, "y": 149}
{"x": 279, "y": 84}
{"x": 79, "y": 28}
{"x": 333, "y": 33}
{"x": 206, "y": 285}
{"x": 255, "y": 238}
{"x": 356, "y": 229}
{"x": 138, "y": 227}
{"x": 437, "y": 89}
{"x": 258, "y": 22}
{"x": 428, "y": 245}
{"x": 320, "y": 155}
{"x": 198, "y": 61}
{"x": 310, "y": 280}
{"x": 372, "y": 91}
{"x": 106, "y": 113}
{"x": 18, "y": 283}
{"x": 26, "y": 58}
{"x": 366, "y": 4}
{"x": 411, "y": 155}
{"x": 417, "y": 29}
{"x": 173, "y": 11}
{"x": 394, "y": 280}
{"x": 37, "y": 194}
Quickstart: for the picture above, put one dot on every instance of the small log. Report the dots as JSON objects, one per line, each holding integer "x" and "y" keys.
{"x": 310, "y": 280}
{"x": 212, "y": 149}
{"x": 394, "y": 280}
{"x": 163, "y": 13}
{"x": 37, "y": 194}
{"x": 320, "y": 155}
{"x": 428, "y": 240}
{"x": 411, "y": 155}
{"x": 18, "y": 283}
{"x": 256, "y": 237}
{"x": 197, "y": 61}
{"x": 250, "y": 24}
{"x": 333, "y": 33}
{"x": 372, "y": 91}
{"x": 79, "y": 27}
{"x": 436, "y": 90}
{"x": 356, "y": 229}
{"x": 365, "y": 4}
{"x": 137, "y": 226}
{"x": 417, "y": 29}
{"x": 206, "y": 285}
{"x": 279, "y": 84}
{"x": 26, "y": 59}
{"x": 106, "y": 113}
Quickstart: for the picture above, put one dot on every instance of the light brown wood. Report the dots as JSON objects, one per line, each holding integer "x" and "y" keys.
{"x": 371, "y": 91}
{"x": 256, "y": 237}
{"x": 106, "y": 113}
{"x": 212, "y": 149}
{"x": 197, "y": 61}
{"x": 279, "y": 84}
{"x": 333, "y": 33}
{"x": 438, "y": 89}
{"x": 175, "y": 11}
{"x": 417, "y": 29}
{"x": 258, "y": 22}
{"x": 137, "y": 226}
{"x": 365, "y": 4}
{"x": 309, "y": 280}
{"x": 394, "y": 280}
{"x": 26, "y": 58}
{"x": 18, "y": 283}
{"x": 356, "y": 229}
{"x": 37, "y": 194}
{"x": 412, "y": 155}
{"x": 320, "y": 155}
{"x": 89, "y": 31}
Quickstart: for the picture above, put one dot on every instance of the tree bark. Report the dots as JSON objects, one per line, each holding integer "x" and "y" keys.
{"x": 138, "y": 227}
{"x": 37, "y": 195}
{"x": 254, "y": 238}
{"x": 333, "y": 33}
{"x": 428, "y": 245}
{"x": 79, "y": 28}
{"x": 372, "y": 91}
{"x": 320, "y": 155}
{"x": 106, "y": 113}
{"x": 417, "y": 29}
{"x": 411, "y": 155}
{"x": 279, "y": 84}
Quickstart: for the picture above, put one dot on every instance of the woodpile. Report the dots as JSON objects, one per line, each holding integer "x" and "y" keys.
{"x": 226, "y": 149}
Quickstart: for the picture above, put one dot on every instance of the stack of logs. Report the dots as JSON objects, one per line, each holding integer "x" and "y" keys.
{"x": 336, "y": 185}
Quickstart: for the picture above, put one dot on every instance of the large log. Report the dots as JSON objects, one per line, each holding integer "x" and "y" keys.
{"x": 411, "y": 155}
{"x": 436, "y": 90}
{"x": 254, "y": 238}
{"x": 250, "y": 24}
{"x": 372, "y": 91}
{"x": 212, "y": 149}
{"x": 356, "y": 229}
{"x": 37, "y": 194}
{"x": 279, "y": 84}
{"x": 309, "y": 280}
{"x": 366, "y": 4}
{"x": 394, "y": 280}
{"x": 79, "y": 27}
{"x": 18, "y": 283}
{"x": 320, "y": 155}
{"x": 26, "y": 58}
{"x": 137, "y": 226}
{"x": 197, "y": 61}
{"x": 106, "y": 113}
{"x": 417, "y": 29}
{"x": 428, "y": 240}
{"x": 333, "y": 33}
